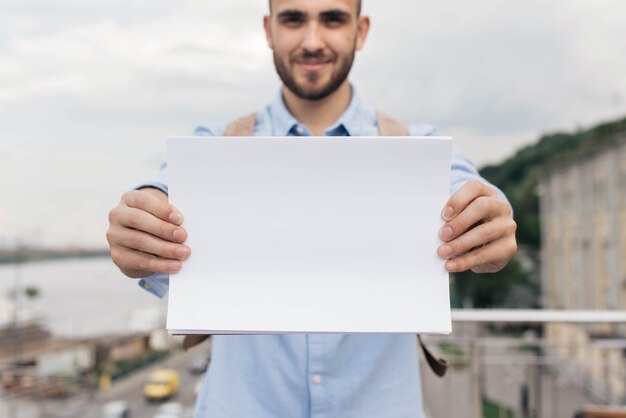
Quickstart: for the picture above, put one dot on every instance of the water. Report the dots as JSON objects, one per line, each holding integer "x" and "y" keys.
{"x": 80, "y": 297}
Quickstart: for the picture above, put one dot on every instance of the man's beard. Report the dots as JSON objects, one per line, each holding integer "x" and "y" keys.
{"x": 319, "y": 92}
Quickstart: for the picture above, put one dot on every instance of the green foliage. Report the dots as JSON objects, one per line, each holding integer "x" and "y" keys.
{"x": 495, "y": 410}
{"x": 488, "y": 290}
{"x": 32, "y": 292}
{"x": 517, "y": 176}
{"x": 127, "y": 366}
{"x": 457, "y": 357}
{"x": 451, "y": 349}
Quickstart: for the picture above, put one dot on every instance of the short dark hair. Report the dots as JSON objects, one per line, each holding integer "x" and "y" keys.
{"x": 358, "y": 7}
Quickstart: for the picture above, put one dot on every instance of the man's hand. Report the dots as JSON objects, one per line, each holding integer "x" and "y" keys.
{"x": 479, "y": 233}
{"x": 145, "y": 234}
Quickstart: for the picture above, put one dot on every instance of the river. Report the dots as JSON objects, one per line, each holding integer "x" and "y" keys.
{"x": 80, "y": 297}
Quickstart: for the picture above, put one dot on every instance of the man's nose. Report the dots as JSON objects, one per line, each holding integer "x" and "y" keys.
{"x": 313, "y": 39}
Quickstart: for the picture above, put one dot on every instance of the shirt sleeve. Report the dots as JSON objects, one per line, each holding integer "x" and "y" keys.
{"x": 462, "y": 169}
{"x": 158, "y": 183}
{"x": 158, "y": 283}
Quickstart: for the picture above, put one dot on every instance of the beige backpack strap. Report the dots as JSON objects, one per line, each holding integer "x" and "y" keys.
{"x": 243, "y": 126}
{"x": 388, "y": 126}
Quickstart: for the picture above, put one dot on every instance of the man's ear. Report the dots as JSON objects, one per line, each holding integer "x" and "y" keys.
{"x": 363, "y": 28}
{"x": 267, "y": 25}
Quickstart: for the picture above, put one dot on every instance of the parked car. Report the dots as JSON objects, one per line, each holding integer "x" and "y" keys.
{"x": 162, "y": 384}
{"x": 199, "y": 363}
{"x": 170, "y": 410}
{"x": 115, "y": 409}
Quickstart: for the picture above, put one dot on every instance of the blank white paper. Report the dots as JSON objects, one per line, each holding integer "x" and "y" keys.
{"x": 310, "y": 234}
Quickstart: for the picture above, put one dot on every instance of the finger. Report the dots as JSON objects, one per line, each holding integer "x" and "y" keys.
{"x": 142, "y": 264}
{"x": 477, "y": 236}
{"x": 149, "y": 202}
{"x": 482, "y": 209}
{"x": 147, "y": 243}
{"x": 143, "y": 221}
{"x": 492, "y": 257}
{"x": 464, "y": 196}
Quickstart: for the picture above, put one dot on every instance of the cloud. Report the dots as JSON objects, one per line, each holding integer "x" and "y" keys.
{"x": 89, "y": 89}
{"x": 498, "y": 67}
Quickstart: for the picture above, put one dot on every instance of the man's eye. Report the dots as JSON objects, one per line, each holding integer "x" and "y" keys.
{"x": 292, "y": 19}
{"x": 334, "y": 20}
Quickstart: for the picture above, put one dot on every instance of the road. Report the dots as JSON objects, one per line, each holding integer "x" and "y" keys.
{"x": 130, "y": 389}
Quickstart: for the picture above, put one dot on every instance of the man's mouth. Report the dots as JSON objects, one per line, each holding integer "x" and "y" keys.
{"x": 313, "y": 64}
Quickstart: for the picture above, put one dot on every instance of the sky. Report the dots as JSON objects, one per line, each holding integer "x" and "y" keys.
{"x": 89, "y": 90}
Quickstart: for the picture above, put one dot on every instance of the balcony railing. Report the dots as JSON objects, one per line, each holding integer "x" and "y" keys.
{"x": 503, "y": 364}
{"x": 529, "y": 363}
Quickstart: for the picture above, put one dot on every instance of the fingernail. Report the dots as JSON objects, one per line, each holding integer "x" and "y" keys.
{"x": 447, "y": 213}
{"x": 182, "y": 252}
{"x": 450, "y": 265}
{"x": 178, "y": 234}
{"x": 445, "y": 251}
{"x": 445, "y": 233}
{"x": 176, "y": 218}
{"x": 175, "y": 266}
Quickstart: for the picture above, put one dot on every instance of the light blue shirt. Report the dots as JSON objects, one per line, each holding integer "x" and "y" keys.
{"x": 313, "y": 375}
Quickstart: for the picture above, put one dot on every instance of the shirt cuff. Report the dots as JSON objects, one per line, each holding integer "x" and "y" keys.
{"x": 156, "y": 283}
{"x": 155, "y": 184}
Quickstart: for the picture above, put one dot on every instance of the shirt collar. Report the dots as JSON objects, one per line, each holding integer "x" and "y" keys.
{"x": 351, "y": 123}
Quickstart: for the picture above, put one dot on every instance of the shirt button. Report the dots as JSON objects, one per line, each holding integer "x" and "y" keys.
{"x": 316, "y": 378}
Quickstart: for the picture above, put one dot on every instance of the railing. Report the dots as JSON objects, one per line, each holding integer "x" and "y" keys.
{"x": 500, "y": 370}
{"x": 552, "y": 370}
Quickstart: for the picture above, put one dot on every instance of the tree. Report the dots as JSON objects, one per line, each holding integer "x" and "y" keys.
{"x": 471, "y": 290}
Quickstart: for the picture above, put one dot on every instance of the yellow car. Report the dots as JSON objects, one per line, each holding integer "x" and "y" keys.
{"x": 161, "y": 384}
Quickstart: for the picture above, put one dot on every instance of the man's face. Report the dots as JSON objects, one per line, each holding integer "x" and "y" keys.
{"x": 314, "y": 42}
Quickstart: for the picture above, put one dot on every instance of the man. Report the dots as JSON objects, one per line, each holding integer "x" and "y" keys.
{"x": 313, "y": 43}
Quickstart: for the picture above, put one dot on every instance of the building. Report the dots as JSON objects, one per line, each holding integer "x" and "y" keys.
{"x": 583, "y": 227}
